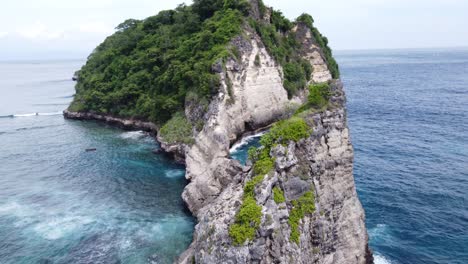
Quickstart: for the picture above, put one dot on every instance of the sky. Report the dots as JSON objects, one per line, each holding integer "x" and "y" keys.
{"x": 66, "y": 29}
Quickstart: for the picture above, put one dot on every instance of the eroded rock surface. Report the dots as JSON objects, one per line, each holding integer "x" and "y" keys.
{"x": 252, "y": 96}
{"x": 323, "y": 163}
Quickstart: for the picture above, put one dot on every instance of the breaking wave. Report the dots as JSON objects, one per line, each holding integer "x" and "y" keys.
{"x": 32, "y": 114}
{"x": 378, "y": 259}
{"x": 244, "y": 141}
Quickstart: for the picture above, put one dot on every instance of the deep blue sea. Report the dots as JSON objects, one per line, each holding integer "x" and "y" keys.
{"x": 408, "y": 114}
{"x": 61, "y": 204}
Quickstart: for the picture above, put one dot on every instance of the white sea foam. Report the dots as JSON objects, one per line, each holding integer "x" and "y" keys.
{"x": 37, "y": 114}
{"x": 378, "y": 259}
{"x": 244, "y": 141}
{"x": 25, "y": 115}
{"x": 379, "y": 230}
{"x": 56, "y": 228}
{"x": 10, "y": 208}
{"x": 51, "y": 114}
{"x": 174, "y": 173}
{"x": 133, "y": 135}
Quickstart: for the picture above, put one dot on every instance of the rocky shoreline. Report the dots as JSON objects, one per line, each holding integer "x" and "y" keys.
{"x": 176, "y": 151}
{"x": 126, "y": 124}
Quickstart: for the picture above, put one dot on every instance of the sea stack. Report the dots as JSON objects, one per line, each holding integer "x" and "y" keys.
{"x": 240, "y": 67}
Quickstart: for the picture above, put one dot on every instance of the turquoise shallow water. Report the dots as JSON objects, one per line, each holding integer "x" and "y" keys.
{"x": 61, "y": 204}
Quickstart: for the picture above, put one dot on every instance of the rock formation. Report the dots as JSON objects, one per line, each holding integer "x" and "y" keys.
{"x": 252, "y": 96}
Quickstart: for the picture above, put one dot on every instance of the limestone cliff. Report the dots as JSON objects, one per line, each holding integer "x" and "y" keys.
{"x": 254, "y": 93}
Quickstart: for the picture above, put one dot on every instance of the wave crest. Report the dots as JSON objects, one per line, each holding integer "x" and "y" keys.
{"x": 32, "y": 114}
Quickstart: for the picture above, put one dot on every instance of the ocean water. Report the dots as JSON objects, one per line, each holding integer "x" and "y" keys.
{"x": 61, "y": 204}
{"x": 408, "y": 115}
{"x": 407, "y": 110}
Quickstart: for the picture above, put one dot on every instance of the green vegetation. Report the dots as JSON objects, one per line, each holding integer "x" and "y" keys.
{"x": 323, "y": 44}
{"x": 249, "y": 216}
{"x": 177, "y": 130}
{"x": 249, "y": 189}
{"x": 247, "y": 222}
{"x": 319, "y": 97}
{"x": 263, "y": 166}
{"x": 301, "y": 207}
{"x": 292, "y": 129}
{"x": 149, "y": 69}
{"x": 146, "y": 68}
{"x": 278, "y": 195}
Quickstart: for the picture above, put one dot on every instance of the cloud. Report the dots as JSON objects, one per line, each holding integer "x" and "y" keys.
{"x": 38, "y": 31}
{"x": 96, "y": 28}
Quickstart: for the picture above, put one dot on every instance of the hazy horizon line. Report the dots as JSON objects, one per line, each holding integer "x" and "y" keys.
{"x": 335, "y": 51}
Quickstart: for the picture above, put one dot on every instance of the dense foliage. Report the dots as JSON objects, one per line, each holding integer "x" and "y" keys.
{"x": 292, "y": 129}
{"x": 249, "y": 216}
{"x": 146, "y": 69}
{"x": 318, "y": 98}
{"x": 301, "y": 207}
{"x": 177, "y": 130}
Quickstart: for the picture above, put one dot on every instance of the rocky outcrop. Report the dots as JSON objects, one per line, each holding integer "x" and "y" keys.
{"x": 323, "y": 163}
{"x": 312, "y": 52}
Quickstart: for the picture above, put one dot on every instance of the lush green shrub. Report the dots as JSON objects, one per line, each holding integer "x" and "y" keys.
{"x": 252, "y": 153}
{"x": 293, "y": 129}
{"x": 306, "y": 19}
{"x": 250, "y": 213}
{"x": 280, "y": 22}
{"x": 263, "y": 166}
{"x": 301, "y": 207}
{"x": 240, "y": 233}
{"x": 249, "y": 217}
{"x": 319, "y": 95}
{"x": 249, "y": 188}
{"x": 177, "y": 130}
{"x": 278, "y": 195}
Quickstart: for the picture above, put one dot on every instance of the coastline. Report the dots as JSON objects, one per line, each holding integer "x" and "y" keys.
{"x": 126, "y": 124}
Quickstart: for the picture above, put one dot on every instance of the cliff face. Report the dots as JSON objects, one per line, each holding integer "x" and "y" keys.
{"x": 334, "y": 233}
{"x": 257, "y": 98}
